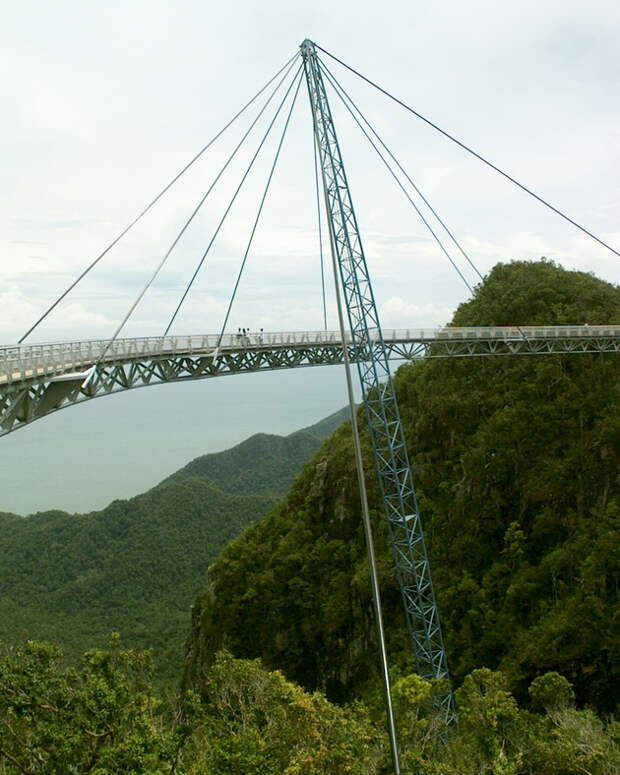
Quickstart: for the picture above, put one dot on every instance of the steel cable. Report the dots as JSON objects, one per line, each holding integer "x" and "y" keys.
{"x": 230, "y": 204}
{"x": 402, "y": 188}
{"x": 333, "y": 81}
{"x": 260, "y": 208}
{"x": 187, "y": 223}
{"x": 471, "y": 151}
{"x": 318, "y": 209}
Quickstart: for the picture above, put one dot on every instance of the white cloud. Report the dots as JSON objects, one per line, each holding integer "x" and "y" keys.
{"x": 398, "y": 313}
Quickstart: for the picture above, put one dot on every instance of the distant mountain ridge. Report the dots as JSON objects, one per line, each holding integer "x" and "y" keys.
{"x": 131, "y": 567}
{"x": 328, "y": 425}
{"x": 135, "y": 566}
{"x": 264, "y": 464}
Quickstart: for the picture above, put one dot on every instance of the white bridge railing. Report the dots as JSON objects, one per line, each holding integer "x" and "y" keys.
{"x": 27, "y": 360}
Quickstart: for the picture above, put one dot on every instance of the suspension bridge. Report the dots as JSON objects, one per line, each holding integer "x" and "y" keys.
{"x": 37, "y": 379}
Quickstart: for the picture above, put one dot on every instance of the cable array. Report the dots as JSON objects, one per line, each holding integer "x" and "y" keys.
{"x": 192, "y": 216}
{"x": 229, "y": 207}
{"x": 342, "y": 95}
{"x": 320, "y": 227}
{"x": 294, "y": 83}
{"x": 470, "y": 151}
{"x": 359, "y": 113}
{"x": 399, "y": 174}
{"x": 260, "y": 207}
{"x": 154, "y": 201}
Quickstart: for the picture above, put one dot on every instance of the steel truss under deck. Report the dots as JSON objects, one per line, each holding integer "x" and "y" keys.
{"x": 36, "y": 380}
{"x": 39, "y": 390}
{"x": 390, "y": 450}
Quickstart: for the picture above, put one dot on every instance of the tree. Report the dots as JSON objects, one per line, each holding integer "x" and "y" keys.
{"x": 258, "y": 723}
{"x": 99, "y": 718}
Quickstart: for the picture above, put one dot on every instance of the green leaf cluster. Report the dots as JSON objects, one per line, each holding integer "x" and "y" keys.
{"x": 258, "y": 723}
{"x": 98, "y": 718}
{"x": 102, "y": 717}
{"x": 497, "y": 737}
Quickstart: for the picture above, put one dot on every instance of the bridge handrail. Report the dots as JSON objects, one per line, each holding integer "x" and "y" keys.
{"x": 60, "y": 355}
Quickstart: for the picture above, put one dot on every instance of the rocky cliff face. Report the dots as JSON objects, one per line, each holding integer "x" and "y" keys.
{"x": 295, "y": 589}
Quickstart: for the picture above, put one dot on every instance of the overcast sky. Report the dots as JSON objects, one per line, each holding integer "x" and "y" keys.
{"x": 104, "y": 102}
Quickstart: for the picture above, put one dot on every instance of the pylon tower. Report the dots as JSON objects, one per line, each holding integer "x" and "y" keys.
{"x": 390, "y": 452}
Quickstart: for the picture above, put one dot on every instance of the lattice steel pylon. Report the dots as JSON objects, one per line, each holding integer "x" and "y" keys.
{"x": 383, "y": 417}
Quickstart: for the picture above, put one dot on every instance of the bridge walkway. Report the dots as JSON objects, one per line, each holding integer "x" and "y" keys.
{"x": 36, "y": 379}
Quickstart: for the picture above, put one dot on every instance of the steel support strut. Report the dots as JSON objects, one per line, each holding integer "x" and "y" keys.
{"x": 386, "y": 433}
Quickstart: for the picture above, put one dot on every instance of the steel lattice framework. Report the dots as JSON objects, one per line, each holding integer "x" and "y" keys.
{"x": 36, "y": 380}
{"x": 390, "y": 450}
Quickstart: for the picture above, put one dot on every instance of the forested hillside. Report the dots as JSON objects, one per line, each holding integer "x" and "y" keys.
{"x": 516, "y": 462}
{"x": 132, "y": 567}
{"x": 517, "y": 465}
{"x": 136, "y": 566}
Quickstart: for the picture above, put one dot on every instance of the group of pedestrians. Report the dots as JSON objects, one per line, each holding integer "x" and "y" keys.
{"x": 243, "y": 336}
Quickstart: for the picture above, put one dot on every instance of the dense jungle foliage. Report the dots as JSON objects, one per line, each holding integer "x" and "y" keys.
{"x": 102, "y": 717}
{"x": 131, "y": 567}
{"x": 136, "y": 566}
{"x": 516, "y": 460}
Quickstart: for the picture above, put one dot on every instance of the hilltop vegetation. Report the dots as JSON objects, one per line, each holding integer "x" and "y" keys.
{"x": 104, "y": 718}
{"x": 516, "y": 462}
{"x": 135, "y": 566}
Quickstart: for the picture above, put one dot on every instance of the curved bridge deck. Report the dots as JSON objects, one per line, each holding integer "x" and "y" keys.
{"x": 36, "y": 379}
